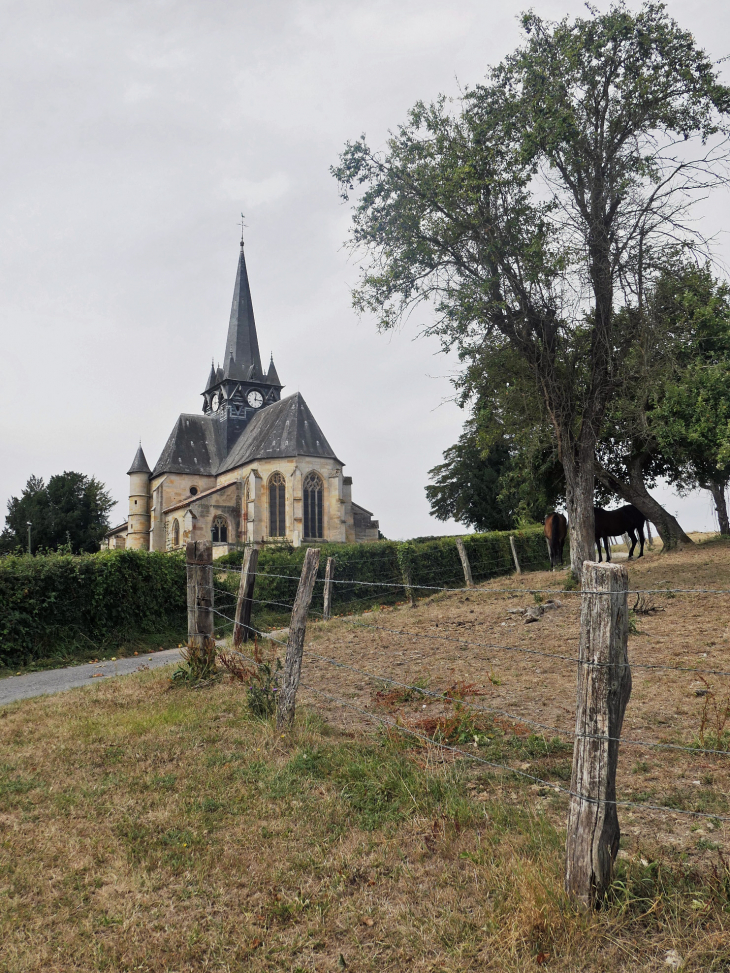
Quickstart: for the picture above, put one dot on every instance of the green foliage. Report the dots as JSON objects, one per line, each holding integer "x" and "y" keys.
{"x": 530, "y": 211}
{"x": 690, "y": 410}
{"x": 60, "y": 602}
{"x": 431, "y": 563}
{"x": 262, "y": 691}
{"x": 492, "y": 480}
{"x": 71, "y": 511}
{"x": 54, "y": 601}
{"x": 198, "y": 663}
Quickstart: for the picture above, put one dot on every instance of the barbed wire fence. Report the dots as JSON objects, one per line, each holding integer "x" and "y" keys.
{"x": 603, "y": 680}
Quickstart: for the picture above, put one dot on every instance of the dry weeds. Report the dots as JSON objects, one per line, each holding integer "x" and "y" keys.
{"x": 157, "y": 828}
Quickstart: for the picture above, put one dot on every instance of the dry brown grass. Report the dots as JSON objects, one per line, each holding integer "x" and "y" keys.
{"x": 158, "y": 828}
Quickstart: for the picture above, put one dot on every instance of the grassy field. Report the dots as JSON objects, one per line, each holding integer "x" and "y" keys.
{"x": 151, "y": 827}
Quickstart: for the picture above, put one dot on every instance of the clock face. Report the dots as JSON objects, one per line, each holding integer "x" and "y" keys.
{"x": 215, "y": 402}
{"x": 255, "y": 399}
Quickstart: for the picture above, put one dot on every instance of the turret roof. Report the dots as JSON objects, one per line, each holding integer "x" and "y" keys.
{"x": 139, "y": 463}
{"x": 272, "y": 378}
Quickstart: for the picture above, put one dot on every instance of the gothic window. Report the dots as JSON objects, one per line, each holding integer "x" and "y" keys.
{"x": 175, "y": 533}
{"x": 313, "y": 492}
{"x": 219, "y": 531}
{"x": 277, "y": 505}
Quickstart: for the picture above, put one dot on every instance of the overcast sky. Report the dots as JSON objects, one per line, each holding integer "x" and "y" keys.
{"x": 134, "y": 133}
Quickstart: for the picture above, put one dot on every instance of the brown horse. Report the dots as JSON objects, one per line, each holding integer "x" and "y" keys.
{"x": 556, "y": 530}
{"x": 613, "y": 523}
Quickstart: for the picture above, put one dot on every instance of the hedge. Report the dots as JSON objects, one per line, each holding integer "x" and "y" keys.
{"x": 432, "y": 564}
{"x": 59, "y": 604}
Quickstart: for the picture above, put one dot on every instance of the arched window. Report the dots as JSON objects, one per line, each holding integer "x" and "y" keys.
{"x": 175, "y": 533}
{"x": 277, "y": 505}
{"x": 313, "y": 492}
{"x": 219, "y": 531}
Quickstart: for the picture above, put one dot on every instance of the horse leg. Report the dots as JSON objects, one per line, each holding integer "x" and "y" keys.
{"x": 641, "y": 539}
{"x": 561, "y": 545}
{"x": 632, "y": 535}
{"x": 608, "y": 549}
{"x": 598, "y": 545}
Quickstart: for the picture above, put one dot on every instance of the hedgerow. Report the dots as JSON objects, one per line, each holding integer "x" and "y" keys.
{"x": 60, "y": 604}
{"x": 55, "y": 605}
{"x": 432, "y": 564}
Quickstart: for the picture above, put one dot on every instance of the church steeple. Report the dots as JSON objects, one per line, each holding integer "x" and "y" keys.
{"x": 242, "y": 346}
{"x": 236, "y": 392}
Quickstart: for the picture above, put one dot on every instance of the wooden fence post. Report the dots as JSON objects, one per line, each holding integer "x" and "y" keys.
{"x": 201, "y": 641}
{"x": 464, "y": 562}
{"x": 604, "y": 687}
{"x": 514, "y": 554}
{"x": 295, "y": 642}
{"x": 245, "y": 596}
{"x": 329, "y": 574}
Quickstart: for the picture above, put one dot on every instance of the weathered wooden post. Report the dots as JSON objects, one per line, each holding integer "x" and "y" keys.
{"x": 295, "y": 642}
{"x": 244, "y": 602}
{"x": 201, "y": 641}
{"x": 518, "y": 569}
{"x": 604, "y": 687}
{"x": 464, "y": 562}
{"x": 329, "y": 573}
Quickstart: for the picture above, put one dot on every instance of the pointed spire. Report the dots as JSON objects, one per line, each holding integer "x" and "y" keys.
{"x": 242, "y": 344}
{"x": 211, "y": 377}
{"x": 219, "y": 374}
{"x": 272, "y": 378}
{"x": 230, "y": 368}
{"x": 139, "y": 463}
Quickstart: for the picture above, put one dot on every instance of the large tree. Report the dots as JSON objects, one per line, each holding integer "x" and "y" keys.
{"x": 690, "y": 411}
{"x": 493, "y": 483}
{"x": 72, "y": 509}
{"x": 539, "y": 206}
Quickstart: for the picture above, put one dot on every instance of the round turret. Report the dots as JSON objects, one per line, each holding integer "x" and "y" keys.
{"x": 138, "y": 528}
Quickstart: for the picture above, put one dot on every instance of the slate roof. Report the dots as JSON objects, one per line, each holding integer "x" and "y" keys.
{"x": 117, "y": 530}
{"x": 198, "y": 496}
{"x": 194, "y": 446}
{"x": 242, "y": 345}
{"x": 139, "y": 463}
{"x": 272, "y": 377}
{"x": 283, "y": 429}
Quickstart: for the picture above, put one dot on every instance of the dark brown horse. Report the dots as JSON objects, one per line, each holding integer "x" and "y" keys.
{"x": 613, "y": 523}
{"x": 556, "y": 530}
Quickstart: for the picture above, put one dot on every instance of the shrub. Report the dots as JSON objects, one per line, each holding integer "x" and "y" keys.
{"x": 55, "y": 604}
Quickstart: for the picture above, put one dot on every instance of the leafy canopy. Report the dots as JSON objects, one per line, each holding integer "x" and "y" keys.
{"x": 72, "y": 509}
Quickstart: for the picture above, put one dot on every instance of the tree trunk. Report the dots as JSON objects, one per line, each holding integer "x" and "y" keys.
{"x": 718, "y": 495}
{"x": 579, "y": 501}
{"x": 635, "y": 492}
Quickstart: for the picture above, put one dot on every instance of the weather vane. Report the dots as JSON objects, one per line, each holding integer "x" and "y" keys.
{"x": 243, "y": 223}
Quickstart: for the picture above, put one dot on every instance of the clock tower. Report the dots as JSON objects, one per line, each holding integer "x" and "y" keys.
{"x": 237, "y": 391}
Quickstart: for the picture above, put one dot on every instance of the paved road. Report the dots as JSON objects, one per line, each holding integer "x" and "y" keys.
{"x": 56, "y": 680}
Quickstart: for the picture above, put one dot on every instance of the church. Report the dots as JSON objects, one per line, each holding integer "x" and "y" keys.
{"x": 254, "y": 468}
